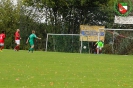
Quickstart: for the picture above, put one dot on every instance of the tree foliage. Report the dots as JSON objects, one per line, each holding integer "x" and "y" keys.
{"x": 9, "y": 20}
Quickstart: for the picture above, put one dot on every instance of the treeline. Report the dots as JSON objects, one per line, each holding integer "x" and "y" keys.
{"x": 53, "y": 16}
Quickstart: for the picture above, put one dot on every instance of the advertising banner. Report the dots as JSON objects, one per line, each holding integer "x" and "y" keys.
{"x": 90, "y": 33}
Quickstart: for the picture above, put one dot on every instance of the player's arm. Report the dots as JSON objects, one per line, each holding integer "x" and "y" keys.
{"x": 17, "y": 35}
{"x": 27, "y": 40}
{"x": 38, "y": 38}
{"x": 96, "y": 43}
{"x": 4, "y": 36}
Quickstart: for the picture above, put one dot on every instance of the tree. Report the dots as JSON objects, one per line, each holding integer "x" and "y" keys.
{"x": 66, "y": 15}
{"x": 9, "y": 20}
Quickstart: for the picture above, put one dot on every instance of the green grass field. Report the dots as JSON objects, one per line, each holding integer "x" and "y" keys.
{"x": 64, "y": 70}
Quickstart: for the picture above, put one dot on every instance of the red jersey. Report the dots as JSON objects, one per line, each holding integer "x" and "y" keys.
{"x": 17, "y": 36}
{"x": 2, "y": 37}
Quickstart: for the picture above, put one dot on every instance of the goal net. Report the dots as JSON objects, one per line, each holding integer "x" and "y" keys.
{"x": 63, "y": 42}
{"x": 66, "y": 43}
{"x": 119, "y": 41}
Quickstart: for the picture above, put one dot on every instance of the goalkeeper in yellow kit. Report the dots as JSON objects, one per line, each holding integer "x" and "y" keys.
{"x": 99, "y": 47}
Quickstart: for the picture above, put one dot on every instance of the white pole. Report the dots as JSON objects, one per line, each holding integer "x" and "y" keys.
{"x": 81, "y": 44}
{"x": 46, "y": 43}
{"x": 113, "y": 43}
{"x": 98, "y": 40}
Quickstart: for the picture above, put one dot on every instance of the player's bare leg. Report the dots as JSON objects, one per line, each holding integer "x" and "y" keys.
{"x": 17, "y": 45}
{"x": 97, "y": 50}
{"x": 1, "y": 48}
{"x": 32, "y": 48}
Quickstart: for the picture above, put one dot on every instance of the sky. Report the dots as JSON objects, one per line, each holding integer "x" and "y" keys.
{"x": 14, "y": 1}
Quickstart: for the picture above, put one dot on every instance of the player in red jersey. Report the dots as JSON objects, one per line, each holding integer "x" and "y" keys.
{"x": 17, "y": 40}
{"x": 2, "y": 38}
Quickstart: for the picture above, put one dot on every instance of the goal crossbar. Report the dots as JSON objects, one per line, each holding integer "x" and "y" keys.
{"x": 118, "y": 29}
{"x": 63, "y": 34}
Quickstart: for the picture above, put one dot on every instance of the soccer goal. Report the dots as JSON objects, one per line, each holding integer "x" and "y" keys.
{"x": 66, "y": 43}
{"x": 63, "y": 42}
{"x": 119, "y": 41}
